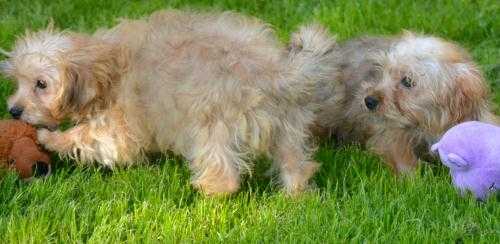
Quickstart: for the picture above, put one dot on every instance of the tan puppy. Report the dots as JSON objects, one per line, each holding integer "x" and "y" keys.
{"x": 399, "y": 95}
{"x": 216, "y": 88}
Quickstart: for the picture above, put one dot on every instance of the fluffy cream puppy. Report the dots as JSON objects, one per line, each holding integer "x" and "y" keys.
{"x": 215, "y": 88}
{"x": 398, "y": 95}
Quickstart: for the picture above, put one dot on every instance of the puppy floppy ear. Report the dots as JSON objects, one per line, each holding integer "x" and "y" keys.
{"x": 469, "y": 94}
{"x": 91, "y": 72}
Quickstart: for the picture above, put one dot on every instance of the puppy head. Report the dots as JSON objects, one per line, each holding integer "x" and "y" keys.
{"x": 425, "y": 83}
{"x": 58, "y": 75}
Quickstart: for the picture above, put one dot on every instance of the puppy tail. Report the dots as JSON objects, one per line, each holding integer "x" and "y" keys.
{"x": 310, "y": 60}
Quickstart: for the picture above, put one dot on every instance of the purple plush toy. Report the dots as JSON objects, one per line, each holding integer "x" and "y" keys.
{"x": 472, "y": 152}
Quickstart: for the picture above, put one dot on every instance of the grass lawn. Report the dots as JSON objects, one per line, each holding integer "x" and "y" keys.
{"x": 357, "y": 197}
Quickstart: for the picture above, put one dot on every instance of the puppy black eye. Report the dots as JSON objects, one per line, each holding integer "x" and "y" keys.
{"x": 407, "y": 82}
{"x": 41, "y": 84}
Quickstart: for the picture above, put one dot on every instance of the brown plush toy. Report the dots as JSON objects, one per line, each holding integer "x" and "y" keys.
{"x": 19, "y": 150}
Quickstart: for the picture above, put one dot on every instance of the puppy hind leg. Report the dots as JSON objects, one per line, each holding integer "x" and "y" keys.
{"x": 214, "y": 161}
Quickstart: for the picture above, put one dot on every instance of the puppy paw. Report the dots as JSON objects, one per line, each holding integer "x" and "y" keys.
{"x": 43, "y": 136}
{"x": 297, "y": 181}
{"x": 223, "y": 186}
{"x": 405, "y": 169}
{"x": 49, "y": 140}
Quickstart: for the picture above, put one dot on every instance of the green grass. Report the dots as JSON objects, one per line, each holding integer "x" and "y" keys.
{"x": 357, "y": 198}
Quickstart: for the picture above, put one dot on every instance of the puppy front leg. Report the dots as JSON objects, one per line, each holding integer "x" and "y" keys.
{"x": 401, "y": 158}
{"x": 397, "y": 150}
{"x": 79, "y": 143}
{"x": 59, "y": 141}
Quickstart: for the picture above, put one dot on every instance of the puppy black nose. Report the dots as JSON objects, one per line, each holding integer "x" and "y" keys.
{"x": 371, "y": 102}
{"x": 16, "y": 112}
{"x": 40, "y": 169}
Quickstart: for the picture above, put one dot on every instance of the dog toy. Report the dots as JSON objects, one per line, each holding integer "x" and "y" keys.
{"x": 19, "y": 150}
{"x": 472, "y": 152}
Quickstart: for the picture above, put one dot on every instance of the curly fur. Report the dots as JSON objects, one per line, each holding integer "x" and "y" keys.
{"x": 446, "y": 88}
{"x": 215, "y": 88}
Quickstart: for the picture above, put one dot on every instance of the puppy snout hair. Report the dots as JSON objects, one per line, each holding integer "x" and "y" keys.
{"x": 216, "y": 88}
{"x": 397, "y": 95}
